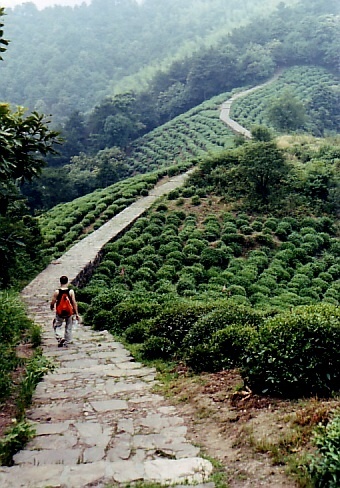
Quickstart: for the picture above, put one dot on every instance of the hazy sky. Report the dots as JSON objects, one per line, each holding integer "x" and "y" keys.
{"x": 41, "y": 3}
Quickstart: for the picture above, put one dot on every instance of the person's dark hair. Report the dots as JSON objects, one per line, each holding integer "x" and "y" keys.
{"x": 63, "y": 280}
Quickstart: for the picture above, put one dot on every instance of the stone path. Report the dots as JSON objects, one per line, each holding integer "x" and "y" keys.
{"x": 226, "y": 107}
{"x": 98, "y": 421}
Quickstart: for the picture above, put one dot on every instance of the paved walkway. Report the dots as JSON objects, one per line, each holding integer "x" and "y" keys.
{"x": 226, "y": 107}
{"x": 97, "y": 419}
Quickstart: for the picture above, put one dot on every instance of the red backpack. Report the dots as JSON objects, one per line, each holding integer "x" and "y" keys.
{"x": 64, "y": 306}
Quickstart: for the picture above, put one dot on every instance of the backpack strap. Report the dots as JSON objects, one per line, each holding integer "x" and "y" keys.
{"x": 61, "y": 291}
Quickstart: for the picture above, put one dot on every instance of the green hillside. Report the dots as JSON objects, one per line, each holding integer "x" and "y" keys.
{"x": 315, "y": 90}
{"x": 71, "y": 58}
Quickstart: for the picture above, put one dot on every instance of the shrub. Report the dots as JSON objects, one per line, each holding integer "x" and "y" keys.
{"x": 258, "y": 288}
{"x": 325, "y": 466}
{"x": 246, "y": 229}
{"x": 283, "y": 230}
{"x": 196, "y": 271}
{"x": 167, "y": 272}
{"x": 8, "y": 362}
{"x": 144, "y": 274}
{"x": 236, "y": 290}
{"x": 177, "y": 318}
{"x": 188, "y": 191}
{"x": 165, "y": 249}
{"x": 103, "y": 301}
{"x": 137, "y": 333}
{"x": 13, "y": 440}
{"x": 296, "y": 353}
{"x": 102, "y": 320}
{"x": 229, "y": 345}
{"x": 165, "y": 287}
{"x": 264, "y": 240}
{"x": 35, "y": 333}
{"x": 212, "y": 256}
{"x": 186, "y": 285}
{"x": 195, "y": 200}
{"x": 133, "y": 310}
{"x": 225, "y": 313}
{"x": 201, "y": 358}
{"x": 156, "y": 348}
{"x": 13, "y": 319}
{"x": 233, "y": 238}
{"x": 230, "y": 228}
{"x": 257, "y": 226}
{"x": 271, "y": 223}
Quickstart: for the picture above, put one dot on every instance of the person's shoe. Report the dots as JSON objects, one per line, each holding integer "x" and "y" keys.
{"x": 61, "y": 343}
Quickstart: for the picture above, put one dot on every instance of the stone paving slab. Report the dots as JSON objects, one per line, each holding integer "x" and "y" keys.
{"x": 97, "y": 419}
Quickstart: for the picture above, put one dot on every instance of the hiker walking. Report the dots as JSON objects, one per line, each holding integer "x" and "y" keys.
{"x": 65, "y": 304}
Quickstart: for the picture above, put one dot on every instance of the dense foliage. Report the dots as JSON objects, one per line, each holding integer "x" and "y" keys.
{"x": 325, "y": 467}
{"x": 71, "y": 58}
{"x": 24, "y": 140}
{"x": 14, "y": 325}
{"x": 302, "y": 98}
{"x": 245, "y": 57}
{"x": 64, "y": 224}
{"x": 187, "y": 136}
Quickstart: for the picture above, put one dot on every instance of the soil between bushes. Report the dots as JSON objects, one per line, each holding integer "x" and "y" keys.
{"x": 242, "y": 431}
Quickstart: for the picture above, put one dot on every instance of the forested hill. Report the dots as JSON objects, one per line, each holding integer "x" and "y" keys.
{"x": 61, "y": 59}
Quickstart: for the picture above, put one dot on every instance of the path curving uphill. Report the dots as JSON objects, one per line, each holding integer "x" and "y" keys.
{"x": 97, "y": 419}
{"x": 226, "y": 107}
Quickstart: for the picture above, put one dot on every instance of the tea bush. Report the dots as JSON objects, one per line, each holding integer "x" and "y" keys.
{"x": 296, "y": 353}
{"x": 325, "y": 466}
{"x": 229, "y": 345}
{"x": 132, "y": 310}
{"x": 224, "y": 313}
{"x": 176, "y": 319}
{"x": 137, "y": 333}
{"x": 157, "y": 348}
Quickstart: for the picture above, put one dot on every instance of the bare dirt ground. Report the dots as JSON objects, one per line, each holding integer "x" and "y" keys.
{"x": 251, "y": 437}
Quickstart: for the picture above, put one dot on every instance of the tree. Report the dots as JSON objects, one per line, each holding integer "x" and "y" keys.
{"x": 261, "y": 133}
{"x": 286, "y": 113}
{"x": 23, "y": 142}
{"x": 3, "y": 42}
{"x": 262, "y": 167}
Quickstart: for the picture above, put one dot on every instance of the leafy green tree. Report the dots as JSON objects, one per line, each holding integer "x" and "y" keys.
{"x": 286, "y": 113}
{"x": 112, "y": 166}
{"x": 114, "y": 122}
{"x": 24, "y": 140}
{"x": 261, "y": 133}
{"x": 323, "y": 109}
{"x": 74, "y": 140}
{"x": 263, "y": 169}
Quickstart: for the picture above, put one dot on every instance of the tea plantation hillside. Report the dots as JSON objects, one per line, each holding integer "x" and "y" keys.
{"x": 220, "y": 276}
{"x": 218, "y": 243}
{"x": 192, "y": 134}
{"x": 166, "y": 151}
{"x": 312, "y": 94}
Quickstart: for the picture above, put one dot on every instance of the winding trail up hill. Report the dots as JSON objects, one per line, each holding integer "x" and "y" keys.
{"x": 97, "y": 419}
{"x": 226, "y": 107}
